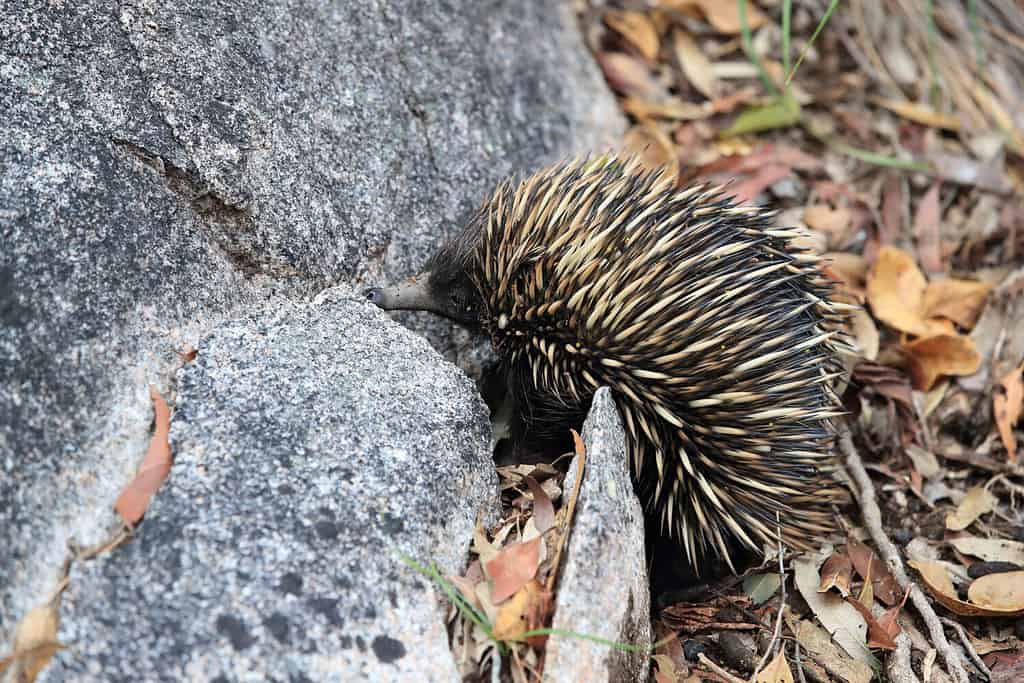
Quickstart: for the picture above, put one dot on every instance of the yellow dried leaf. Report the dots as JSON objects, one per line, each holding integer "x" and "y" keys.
{"x": 941, "y": 354}
{"x": 895, "y": 290}
{"x": 776, "y": 671}
{"x": 935, "y": 577}
{"x": 695, "y": 65}
{"x": 35, "y": 643}
{"x": 637, "y": 29}
{"x": 978, "y": 501}
{"x": 958, "y": 300}
{"x": 1002, "y": 591}
{"x": 723, "y": 15}
{"x": 919, "y": 113}
{"x": 823, "y": 217}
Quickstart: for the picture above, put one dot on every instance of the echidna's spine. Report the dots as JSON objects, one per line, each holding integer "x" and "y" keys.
{"x": 715, "y": 333}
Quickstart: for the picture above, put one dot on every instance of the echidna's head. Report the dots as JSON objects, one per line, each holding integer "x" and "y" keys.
{"x": 444, "y": 286}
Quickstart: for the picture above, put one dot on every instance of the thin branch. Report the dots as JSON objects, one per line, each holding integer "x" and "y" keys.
{"x": 873, "y": 521}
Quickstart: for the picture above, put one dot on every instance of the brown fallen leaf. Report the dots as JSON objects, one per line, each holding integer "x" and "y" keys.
{"x": 893, "y": 200}
{"x": 926, "y": 230}
{"x": 630, "y": 76}
{"x": 825, "y": 218}
{"x": 895, "y": 290}
{"x": 723, "y": 16}
{"x": 35, "y": 643}
{"x": 978, "y": 501}
{"x": 543, "y": 509}
{"x": 775, "y": 671}
{"x": 156, "y": 465}
{"x": 990, "y": 549}
{"x": 835, "y": 573}
{"x": 637, "y": 30}
{"x": 1006, "y": 408}
{"x": 958, "y": 300}
{"x": 694, "y": 64}
{"x": 1001, "y": 591}
{"x": 942, "y": 354}
{"x": 871, "y": 568}
{"x": 936, "y": 579}
{"x": 919, "y": 113}
{"x": 865, "y": 333}
{"x": 512, "y": 568}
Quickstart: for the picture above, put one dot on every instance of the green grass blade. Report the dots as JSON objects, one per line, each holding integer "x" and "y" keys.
{"x": 453, "y": 594}
{"x": 748, "y": 47}
{"x": 972, "y": 23}
{"x": 814, "y": 36}
{"x": 787, "y": 16}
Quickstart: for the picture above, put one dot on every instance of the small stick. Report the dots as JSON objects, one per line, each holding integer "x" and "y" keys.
{"x": 966, "y": 642}
{"x": 703, "y": 659}
{"x": 873, "y": 522}
{"x": 570, "y": 509}
{"x": 782, "y": 603}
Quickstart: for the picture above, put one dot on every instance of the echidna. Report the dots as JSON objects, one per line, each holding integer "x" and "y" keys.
{"x": 714, "y": 331}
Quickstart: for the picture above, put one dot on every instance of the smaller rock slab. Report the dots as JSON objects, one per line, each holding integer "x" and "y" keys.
{"x": 312, "y": 449}
{"x": 603, "y": 590}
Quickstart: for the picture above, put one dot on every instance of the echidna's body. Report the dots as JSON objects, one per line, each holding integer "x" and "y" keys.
{"x": 714, "y": 333}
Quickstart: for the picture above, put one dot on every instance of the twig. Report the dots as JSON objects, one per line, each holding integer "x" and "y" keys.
{"x": 898, "y": 667}
{"x": 570, "y": 509}
{"x": 703, "y": 659}
{"x": 873, "y": 522}
{"x": 799, "y": 665}
{"x": 966, "y": 642}
{"x": 782, "y": 603}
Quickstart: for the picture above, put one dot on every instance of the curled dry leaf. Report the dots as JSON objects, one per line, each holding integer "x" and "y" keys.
{"x": 996, "y": 592}
{"x": 1007, "y": 407}
{"x": 512, "y": 568}
{"x": 155, "y": 467}
{"x": 836, "y": 573}
{"x": 958, "y": 300}
{"x": 978, "y": 501}
{"x": 942, "y": 354}
{"x": 694, "y": 64}
{"x": 637, "y": 30}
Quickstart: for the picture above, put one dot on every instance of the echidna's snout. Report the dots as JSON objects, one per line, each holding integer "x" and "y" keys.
{"x": 411, "y": 295}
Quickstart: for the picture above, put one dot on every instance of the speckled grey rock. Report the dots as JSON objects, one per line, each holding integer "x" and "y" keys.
{"x": 167, "y": 165}
{"x": 312, "y": 449}
{"x": 603, "y": 590}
